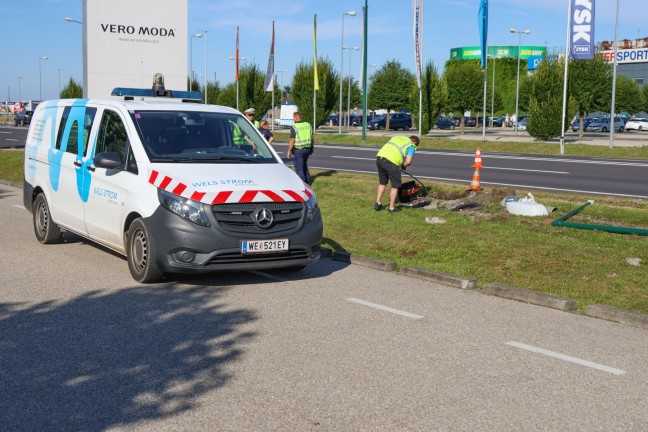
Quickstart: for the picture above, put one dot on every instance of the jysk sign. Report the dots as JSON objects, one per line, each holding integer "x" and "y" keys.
{"x": 582, "y": 29}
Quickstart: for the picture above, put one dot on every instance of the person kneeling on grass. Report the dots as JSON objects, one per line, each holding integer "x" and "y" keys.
{"x": 397, "y": 154}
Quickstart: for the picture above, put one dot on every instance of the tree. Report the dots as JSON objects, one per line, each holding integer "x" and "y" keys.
{"x": 644, "y": 93}
{"x": 590, "y": 84}
{"x": 435, "y": 96}
{"x": 250, "y": 88}
{"x": 72, "y": 90}
{"x": 465, "y": 80}
{"x": 356, "y": 94}
{"x": 213, "y": 90}
{"x": 302, "y": 90}
{"x": 390, "y": 88}
{"x": 545, "y": 101}
{"x": 628, "y": 95}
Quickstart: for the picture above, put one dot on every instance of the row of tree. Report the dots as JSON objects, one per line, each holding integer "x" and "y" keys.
{"x": 458, "y": 89}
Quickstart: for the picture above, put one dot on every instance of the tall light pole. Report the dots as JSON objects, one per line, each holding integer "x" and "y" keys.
{"x": 281, "y": 83}
{"x": 614, "y": 75}
{"x": 19, "y": 89}
{"x": 492, "y": 93}
{"x": 191, "y": 71}
{"x": 517, "y": 84}
{"x": 83, "y": 51}
{"x": 237, "y": 83}
{"x": 40, "y": 79}
{"x": 350, "y": 13}
{"x": 351, "y": 49}
{"x": 205, "y": 66}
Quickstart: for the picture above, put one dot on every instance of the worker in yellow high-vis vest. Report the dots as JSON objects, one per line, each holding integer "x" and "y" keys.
{"x": 301, "y": 146}
{"x": 393, "y": 157}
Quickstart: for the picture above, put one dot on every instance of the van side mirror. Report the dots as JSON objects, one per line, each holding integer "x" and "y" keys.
{"x": 108, "y": 160}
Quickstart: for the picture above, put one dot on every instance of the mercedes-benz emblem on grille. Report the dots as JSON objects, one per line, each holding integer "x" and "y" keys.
{"x": 263, "y": 218}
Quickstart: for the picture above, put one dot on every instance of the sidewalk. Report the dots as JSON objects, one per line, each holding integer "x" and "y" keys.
{"x": 625, "y": 139}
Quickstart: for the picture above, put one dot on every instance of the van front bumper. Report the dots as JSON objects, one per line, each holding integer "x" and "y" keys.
{"x": 180, "y": 246}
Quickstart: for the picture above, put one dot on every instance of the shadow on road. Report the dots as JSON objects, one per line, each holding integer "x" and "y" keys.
{"x": 106, "y": 360}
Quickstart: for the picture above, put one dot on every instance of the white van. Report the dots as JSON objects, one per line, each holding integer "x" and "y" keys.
{"x": 174, "y": 186}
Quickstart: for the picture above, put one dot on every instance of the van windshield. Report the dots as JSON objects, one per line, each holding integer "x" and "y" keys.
{"x": 200, "y": 137}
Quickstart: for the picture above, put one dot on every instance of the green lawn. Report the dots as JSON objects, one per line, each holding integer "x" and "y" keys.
{"x": 488, "y": 243}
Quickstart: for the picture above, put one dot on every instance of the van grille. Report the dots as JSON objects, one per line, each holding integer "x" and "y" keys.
{"x": 238, "y": 258}
{"x": 239, "y": 218}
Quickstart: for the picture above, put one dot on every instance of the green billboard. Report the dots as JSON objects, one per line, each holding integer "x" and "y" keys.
{"x": 474, "y": 52}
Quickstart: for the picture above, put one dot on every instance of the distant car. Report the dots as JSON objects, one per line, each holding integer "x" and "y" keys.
{"x": 396, "y": 121}
{"x": 575, "y": 125}
{"x": 637, "y": 123}
{"x": 468, "y": 121}
{"x": 444, "y": 123}
{"x": 603, "y": 125}
{"x": 23, "y": 118}
{"x": 522, "y": 125}
{"x": 498, "y": 121}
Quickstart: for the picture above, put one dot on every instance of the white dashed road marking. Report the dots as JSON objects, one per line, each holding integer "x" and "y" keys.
{"x": 385, "y": 308}
{"x": 567, "y": 358}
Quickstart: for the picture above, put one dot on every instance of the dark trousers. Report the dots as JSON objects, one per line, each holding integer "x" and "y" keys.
{"x": 301, "y": 163}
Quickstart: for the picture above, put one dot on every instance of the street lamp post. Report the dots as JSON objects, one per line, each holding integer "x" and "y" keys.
{"x": 350, "y": 13}
{"x": 205, "y": 67}
{"x": 68, "y": 19}
{"x": 351, "y": 49}
{"x": 281, "y": 83}
{"x": 40, "y": 79}
{"x": 191, "y": 71}
{"x": 237, "y": 83}
{"x": 517, "y": 84}
{"x": 19, "y": 89}
{"x": 492, "y": 93}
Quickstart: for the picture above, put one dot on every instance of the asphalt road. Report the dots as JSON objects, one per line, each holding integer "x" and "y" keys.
{"x": 333, "y": 348}
{"x": 595, "y": 176}
{"x": 620, "y": 177}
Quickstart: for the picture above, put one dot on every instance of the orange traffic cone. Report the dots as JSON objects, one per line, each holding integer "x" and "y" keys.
{"x": 478, "y": 162}
{"x": 474, "y": 184}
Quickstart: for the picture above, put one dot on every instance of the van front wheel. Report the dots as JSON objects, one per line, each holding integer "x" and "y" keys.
{"x": 46, "y": 230}
{"x": 140, "y": 254}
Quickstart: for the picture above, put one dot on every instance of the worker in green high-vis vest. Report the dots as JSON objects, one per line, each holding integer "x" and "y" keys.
{"x": 301, "y": 146}
{"x": 250, "y": 113}
{"x": 393, "y": 157}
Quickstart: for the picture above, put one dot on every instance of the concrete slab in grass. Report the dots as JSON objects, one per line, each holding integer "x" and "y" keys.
{"x": 388, "y": 266}
{"x": 440, "y": 277}
{"x": 528, "y": 296}
{"x": 618, "y": 315}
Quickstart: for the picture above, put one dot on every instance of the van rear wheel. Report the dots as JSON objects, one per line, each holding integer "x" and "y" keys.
{"x": 140, "y": 253}
{"x": 46, "y": 230}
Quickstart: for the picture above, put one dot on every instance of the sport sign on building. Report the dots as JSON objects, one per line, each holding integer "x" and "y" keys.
{"x": 637, "y": 55}
{"x": 126, "y": 42}
{"x": 582, "y": 29}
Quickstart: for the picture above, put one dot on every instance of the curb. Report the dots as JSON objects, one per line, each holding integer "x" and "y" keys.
{"x": 378, "y": 264}
{"x": 529, "y": 296}
{"x": 440, "y": 277}
{"x": 618, "y": 315}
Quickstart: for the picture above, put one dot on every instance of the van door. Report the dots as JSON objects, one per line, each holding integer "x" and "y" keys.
{"x": 68, "y": 163}
{"x": 110, "y": 189}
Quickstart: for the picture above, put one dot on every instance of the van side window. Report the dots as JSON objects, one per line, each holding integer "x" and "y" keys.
{"x": 75, "y": 119}
{"x": 112, "y": 134}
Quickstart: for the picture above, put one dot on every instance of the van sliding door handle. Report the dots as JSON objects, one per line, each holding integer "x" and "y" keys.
{"x": 91, "y": 168}
{"x": 77, "y": 164}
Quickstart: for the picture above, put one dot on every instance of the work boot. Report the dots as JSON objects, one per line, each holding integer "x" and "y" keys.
{"x": 378, "y": 206}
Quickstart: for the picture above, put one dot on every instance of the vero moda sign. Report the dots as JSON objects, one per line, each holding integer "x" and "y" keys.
{"x": 582, "y": 29}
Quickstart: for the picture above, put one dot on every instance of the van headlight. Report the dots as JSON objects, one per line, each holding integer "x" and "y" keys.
{"x": 185, "y": 208}
{"x": 312, "y": 209}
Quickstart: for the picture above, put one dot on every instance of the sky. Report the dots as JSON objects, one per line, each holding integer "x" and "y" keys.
{"x": 38, "y": 28}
